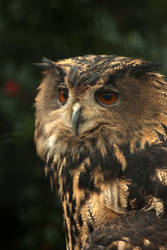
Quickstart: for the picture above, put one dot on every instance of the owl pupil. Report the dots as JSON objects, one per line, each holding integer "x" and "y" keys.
{"x": 107, "y": 96}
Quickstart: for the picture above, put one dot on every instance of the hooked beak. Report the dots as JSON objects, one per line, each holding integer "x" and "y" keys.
{"x": 76, "y": 118}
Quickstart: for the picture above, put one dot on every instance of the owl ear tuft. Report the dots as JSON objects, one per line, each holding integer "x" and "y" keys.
{"x": 46, "y": 64}
{"x": 146, "y": 67}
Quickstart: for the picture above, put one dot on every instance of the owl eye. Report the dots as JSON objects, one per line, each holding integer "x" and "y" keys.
{"x": 106, "y": 97}
{"x": 63, "y": 95}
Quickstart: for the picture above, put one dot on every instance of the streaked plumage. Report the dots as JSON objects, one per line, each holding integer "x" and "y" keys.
{"x": 101, "y": 124}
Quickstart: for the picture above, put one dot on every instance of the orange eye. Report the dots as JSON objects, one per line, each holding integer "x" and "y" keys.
{"x": 106, "y": 97}
{"x": 63, "y": 95}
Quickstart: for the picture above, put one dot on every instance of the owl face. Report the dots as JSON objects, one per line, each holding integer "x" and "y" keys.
{"x": 99, "y": 97}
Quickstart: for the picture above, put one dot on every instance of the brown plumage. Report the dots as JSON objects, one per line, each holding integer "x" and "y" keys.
{"x": 101, "y": 124}
{"x": 134, "y": 230}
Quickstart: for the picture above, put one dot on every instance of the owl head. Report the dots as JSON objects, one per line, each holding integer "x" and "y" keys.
{"x": 112, "y": 98}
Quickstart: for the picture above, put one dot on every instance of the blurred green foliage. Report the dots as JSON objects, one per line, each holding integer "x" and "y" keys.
{"x": 31, "y": 215}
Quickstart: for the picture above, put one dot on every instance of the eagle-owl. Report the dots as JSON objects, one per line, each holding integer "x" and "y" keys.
{"x": 101, "y": 128}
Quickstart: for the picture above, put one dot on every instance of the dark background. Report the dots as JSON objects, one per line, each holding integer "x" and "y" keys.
{"x": 30, "y": 213}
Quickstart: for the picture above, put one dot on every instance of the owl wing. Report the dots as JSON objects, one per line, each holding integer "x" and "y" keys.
{"x": 135, "y": 230}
